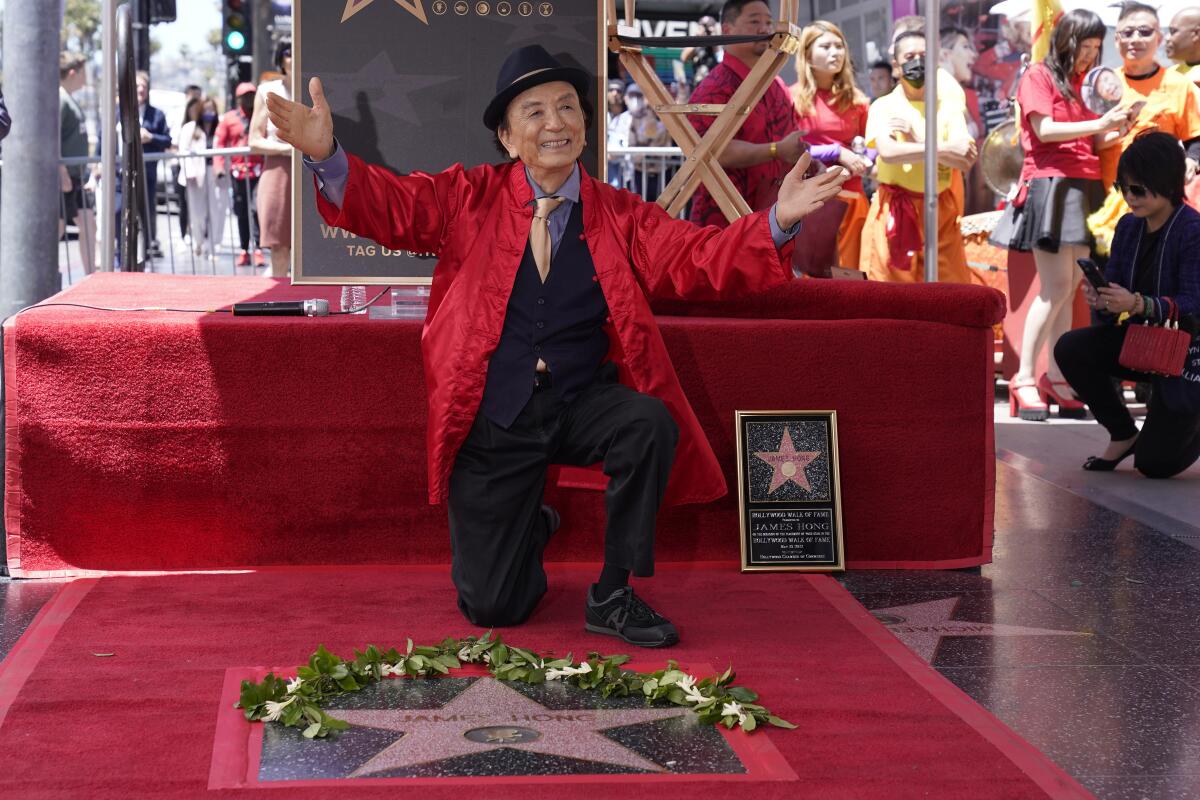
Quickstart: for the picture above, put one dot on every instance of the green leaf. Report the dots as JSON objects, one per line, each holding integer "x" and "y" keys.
{"x": 448, "y": 661}
{"x": 535, "y": 676}
{"x": 750, "y": 724}
{"x": 312, "y": 730}
{"x": 499, "y": 654}
{"x": 780, "y": 723}
{"x": 649, "y": 687}
{"x": 348, "y": 683}
{"x": 742, "y": 694}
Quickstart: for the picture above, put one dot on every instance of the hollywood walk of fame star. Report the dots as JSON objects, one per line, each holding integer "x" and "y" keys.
{"x": 788, "y": 463}
{"x": 921, "y": 626}
{"x": 388, "y": 89}
{"x": 414, "y": 7}
{"x": 433, "y": 735}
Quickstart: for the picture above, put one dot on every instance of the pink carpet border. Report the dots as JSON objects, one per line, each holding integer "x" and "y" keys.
{"x": 25, "y": 655}
{"x": 237, "y": 747}
{"x": 1041, "y": 770}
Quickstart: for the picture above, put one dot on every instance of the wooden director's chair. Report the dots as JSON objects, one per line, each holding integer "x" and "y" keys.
{"x": 701, "y": 154}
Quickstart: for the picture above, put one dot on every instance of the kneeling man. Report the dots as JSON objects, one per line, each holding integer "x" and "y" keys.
{"x": 539, "y": 345}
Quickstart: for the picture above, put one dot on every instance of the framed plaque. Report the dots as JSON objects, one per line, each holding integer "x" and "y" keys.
{"x": 407, "y": 82}
{"x": 789, "y": 493}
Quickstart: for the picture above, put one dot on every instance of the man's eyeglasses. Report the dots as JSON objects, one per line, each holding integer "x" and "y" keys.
{"x": 1143, "y": 31}
{"x": 1132, "y": 189}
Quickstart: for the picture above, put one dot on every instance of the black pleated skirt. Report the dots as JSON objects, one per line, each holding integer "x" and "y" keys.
{"x": 1054, "y": 213}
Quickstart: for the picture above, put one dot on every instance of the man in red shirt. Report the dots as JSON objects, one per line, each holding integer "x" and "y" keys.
{"x": 768, "y": 143}
{"x": 234, "y": 131}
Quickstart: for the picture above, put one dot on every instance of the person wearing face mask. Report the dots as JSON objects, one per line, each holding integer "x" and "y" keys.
{"x": 769, "y": 142}
{"x": 645, "y": 130}
{"x": 894, "y": 232}
{"x": 1169, "y": 103}
{"x": 206, "y": 192}
{"x": 833, "y": 111}
{"x": 1059, "y": 188}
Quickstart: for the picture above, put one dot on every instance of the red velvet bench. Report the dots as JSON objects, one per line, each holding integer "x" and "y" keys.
{"x": 163, "y": 440}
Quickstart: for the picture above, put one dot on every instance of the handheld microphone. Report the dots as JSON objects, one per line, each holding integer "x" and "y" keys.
{"x": 291, "y": 308}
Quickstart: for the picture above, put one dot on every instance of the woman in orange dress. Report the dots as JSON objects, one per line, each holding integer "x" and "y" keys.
{"x": 834, "y": 114}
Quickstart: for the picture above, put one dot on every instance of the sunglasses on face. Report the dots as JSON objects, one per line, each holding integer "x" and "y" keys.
{"x": 1132, "y": 189}
{"x": 1143, "y": 31}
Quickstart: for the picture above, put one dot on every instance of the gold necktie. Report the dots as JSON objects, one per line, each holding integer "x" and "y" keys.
{"x": 539, "y": 234}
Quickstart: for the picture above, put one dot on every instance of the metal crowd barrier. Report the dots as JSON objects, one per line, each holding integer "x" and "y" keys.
{"x": 176, "y": 257}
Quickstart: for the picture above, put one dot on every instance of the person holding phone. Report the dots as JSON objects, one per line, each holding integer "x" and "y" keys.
{"x": 1153, "y": 261}
{"x": 1060, "y": 186}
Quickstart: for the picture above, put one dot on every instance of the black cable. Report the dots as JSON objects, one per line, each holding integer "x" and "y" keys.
{"x": 371, "y": 302}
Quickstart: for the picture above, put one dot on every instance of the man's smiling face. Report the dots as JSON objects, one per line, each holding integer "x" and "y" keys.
{"x": 545, "y": 127}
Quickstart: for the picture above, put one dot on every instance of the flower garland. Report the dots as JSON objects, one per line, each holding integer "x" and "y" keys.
{"x": 297, "y": 702}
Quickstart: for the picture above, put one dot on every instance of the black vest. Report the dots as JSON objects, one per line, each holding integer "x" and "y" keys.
{"x": 560, "y": 321}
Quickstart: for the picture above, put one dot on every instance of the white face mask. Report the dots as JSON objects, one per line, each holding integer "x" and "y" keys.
{"x": 635, "y": 103}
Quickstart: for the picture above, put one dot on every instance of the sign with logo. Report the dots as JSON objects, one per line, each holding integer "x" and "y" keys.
{"x": 789, "y": 494}
{"x": 407, "y": 82}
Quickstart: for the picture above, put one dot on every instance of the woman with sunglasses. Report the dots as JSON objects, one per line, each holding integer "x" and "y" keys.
{"x": 1166, "y": 100}
{"x": 1153, "y": 266}
{"x": 1060, "y": 186}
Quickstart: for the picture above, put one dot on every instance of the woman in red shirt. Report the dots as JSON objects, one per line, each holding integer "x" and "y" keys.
{"x": 1060, "y": 186}
{"x": 833, "y": 111}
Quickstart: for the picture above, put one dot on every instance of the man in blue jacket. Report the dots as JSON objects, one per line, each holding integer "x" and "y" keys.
{"x": 156, "y": 138}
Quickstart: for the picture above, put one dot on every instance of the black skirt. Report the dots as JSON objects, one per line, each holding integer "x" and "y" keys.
{"x": 1054, "y": 213}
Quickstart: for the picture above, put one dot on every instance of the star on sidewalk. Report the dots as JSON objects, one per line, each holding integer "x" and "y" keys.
{"x": 921, "y": 626}
{"x": 497, "y": 716}
{"x": 788, "y": 463}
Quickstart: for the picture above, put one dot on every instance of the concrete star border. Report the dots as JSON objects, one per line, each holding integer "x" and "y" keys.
{"x": 297, "y": 702}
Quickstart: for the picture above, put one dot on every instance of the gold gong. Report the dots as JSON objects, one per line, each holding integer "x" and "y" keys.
{"x": 1001, "y": 157}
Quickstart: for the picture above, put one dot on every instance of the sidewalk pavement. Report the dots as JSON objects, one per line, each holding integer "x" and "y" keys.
{"x": 1054, "y": 451}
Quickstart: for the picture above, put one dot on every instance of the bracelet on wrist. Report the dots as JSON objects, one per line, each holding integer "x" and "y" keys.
{"x": 773, "y": 150}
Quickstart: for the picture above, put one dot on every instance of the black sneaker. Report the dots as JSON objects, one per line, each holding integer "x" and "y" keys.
{"x": 626, "y": 615}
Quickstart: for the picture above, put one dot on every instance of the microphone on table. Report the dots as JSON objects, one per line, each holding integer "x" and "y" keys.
{"x": 287, "y": 308}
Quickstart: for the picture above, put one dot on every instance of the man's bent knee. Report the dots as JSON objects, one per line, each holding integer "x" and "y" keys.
{"x": 491, "y": 614}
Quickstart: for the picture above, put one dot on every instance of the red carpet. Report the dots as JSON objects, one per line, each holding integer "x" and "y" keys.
{"x": 873, "y": 720}
{"x": 168, "y": 441}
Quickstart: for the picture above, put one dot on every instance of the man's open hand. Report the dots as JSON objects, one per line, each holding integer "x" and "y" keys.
{"x": 309, "y": 130}
{"x": 799, "y": 197}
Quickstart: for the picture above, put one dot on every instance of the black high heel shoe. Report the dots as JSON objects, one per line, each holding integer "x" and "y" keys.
{"x": 1098, "y": 464}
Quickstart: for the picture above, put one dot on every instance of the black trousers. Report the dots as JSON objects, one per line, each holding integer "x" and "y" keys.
{"x": 1170, "y": 440}
{"x": 244, "y": 193}
{"x": 497, "y": 531}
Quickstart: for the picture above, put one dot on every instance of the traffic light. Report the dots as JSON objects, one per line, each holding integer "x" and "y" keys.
{"x": 236, "y": 27}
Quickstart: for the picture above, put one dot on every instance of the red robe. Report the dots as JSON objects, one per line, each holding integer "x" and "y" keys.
{"x": 477, "y": 221}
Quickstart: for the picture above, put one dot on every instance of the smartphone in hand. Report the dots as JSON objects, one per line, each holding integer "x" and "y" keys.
{"x": 1092, "y": 272}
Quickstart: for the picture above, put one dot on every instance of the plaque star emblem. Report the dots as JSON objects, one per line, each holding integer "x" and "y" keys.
{"x": 434, "y": 735}
{"x": 788, "y": 464}
{"x": 414, "y": 7}
{"x": 921, "y": 626}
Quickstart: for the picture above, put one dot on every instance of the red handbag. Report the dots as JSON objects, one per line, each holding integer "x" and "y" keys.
{"x": 1157, "y": 349}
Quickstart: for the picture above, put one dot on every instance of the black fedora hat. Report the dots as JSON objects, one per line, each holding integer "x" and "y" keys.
{"x": 523, "y": 69}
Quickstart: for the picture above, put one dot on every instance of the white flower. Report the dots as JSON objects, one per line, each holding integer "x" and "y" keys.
{"x": 554, "y": 674}
{"x": 465, "y": 653}
{"x": 686, "y": 682}
{"x": 274, "y": 710}
{"x": 734, "y": 710}
{"x": 392, "y": 669}
{"x": 294, "y": 685}
{"x": 695, "y": 696}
